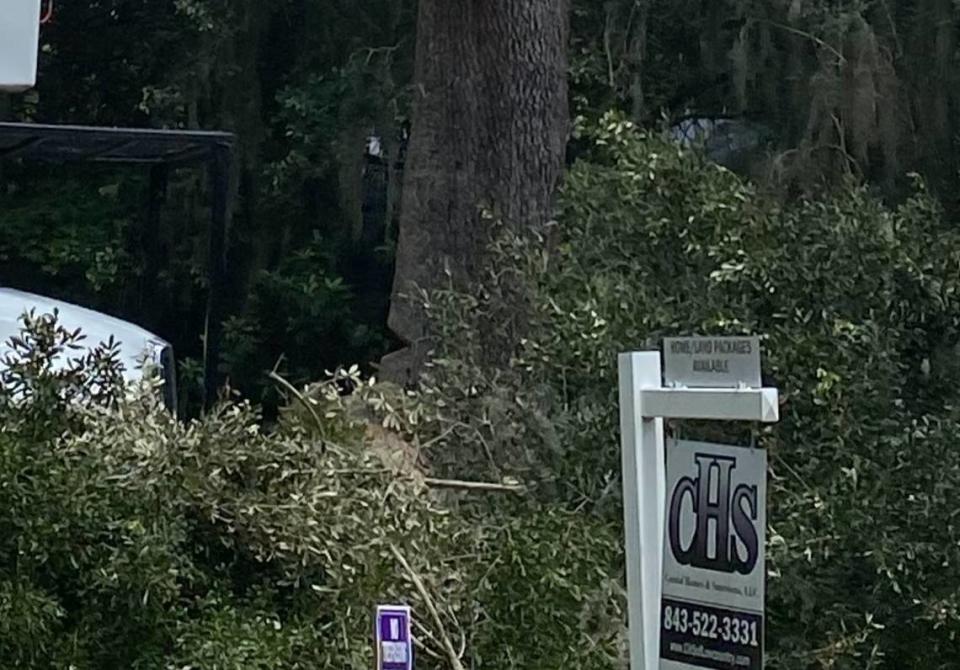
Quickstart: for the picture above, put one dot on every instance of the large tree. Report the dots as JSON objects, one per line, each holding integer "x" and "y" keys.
{"x": 489, "y": 132}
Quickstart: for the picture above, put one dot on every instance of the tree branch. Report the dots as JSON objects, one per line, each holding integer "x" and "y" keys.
{"x": 302, "y": 400}
{"x": 455, "y": 661}
{"x": 816, "y": 40}
{"x": 474, "y": 486}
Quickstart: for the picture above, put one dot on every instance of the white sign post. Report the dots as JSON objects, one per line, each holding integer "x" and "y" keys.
{"x": 644, "y": 404}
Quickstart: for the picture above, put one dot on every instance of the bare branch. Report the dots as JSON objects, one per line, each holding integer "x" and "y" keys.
{"x": 303, "y": 401}
{"x": 474, "y": 486}
{"x": 455, "y": 661}
{"x": 810, "y": 36}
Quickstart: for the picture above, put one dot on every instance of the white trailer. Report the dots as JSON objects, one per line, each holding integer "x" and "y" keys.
{"x": 139, "y": 350}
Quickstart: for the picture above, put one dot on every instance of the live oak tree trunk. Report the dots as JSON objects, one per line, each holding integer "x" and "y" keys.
{"x": 489, "y": 131}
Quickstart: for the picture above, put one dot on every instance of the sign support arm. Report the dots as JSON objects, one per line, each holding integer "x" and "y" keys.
{"x": 712, "y": 404}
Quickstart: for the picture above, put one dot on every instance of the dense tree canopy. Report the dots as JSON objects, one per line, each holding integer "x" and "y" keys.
{"x": 822, "y": 92}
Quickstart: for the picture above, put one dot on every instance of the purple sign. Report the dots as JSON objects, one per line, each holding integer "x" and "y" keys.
{"x": 393, "y": 639}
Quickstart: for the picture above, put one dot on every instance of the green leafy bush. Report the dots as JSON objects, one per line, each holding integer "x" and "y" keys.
{"x": 300, "y": 319}
{"x": 858, "y": 306}
{"x": 851, "y": 301}
{"x": 132, "y": 540}
{"x": 129, "y": 540}
{"x": 70, "y": 237}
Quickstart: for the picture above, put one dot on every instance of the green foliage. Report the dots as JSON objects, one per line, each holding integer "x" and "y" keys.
{"x": 139, "y": 542}
{"x": 345, "y": 104}
{"x": 551, "y": 599}
{"x": 853, "y": 308}
{"x": 302, "y": 85}
{"x": 131, "y": 540}
{"x": 848, "y": 88}
{"x": 66, "y": 233}
{"x": 128, "y": 540}
{"x": 42, "y": 381}
{"x": 223, "y": 544}
{"x": 299, "y": 318}
{"x": 850, "y": 302}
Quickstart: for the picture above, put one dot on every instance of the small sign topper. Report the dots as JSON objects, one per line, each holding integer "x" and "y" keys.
{"x": 711, "y": 362}
{"x": 393, "y": 639}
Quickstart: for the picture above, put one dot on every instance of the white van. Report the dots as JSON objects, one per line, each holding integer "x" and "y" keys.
{"x": 136, "y": 346}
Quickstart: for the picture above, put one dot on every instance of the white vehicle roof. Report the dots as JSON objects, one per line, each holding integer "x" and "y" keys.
{"x": 135, "y": 343}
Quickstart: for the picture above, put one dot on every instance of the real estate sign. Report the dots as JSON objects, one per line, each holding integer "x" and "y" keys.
{"x": 713, "y": 568}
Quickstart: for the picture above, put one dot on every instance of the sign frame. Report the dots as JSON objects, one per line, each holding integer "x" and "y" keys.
{"x": 644, "y": 404}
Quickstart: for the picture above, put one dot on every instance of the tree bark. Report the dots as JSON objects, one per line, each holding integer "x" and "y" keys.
{"x": 489, "y": 131}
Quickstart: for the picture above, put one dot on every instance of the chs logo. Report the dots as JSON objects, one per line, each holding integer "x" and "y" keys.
{"x": 727, "y": 518}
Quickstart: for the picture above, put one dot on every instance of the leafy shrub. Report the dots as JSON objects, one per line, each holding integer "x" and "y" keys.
{"x": 547, "y": 592}
{"x": 69, "y": 237}
{"x": 42, "y": 378}
{"x": 132, "y": 540}
{"x": 299, "y": 318}
{"x": 858, "y": 306}
{"x": 129, "y": 540}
